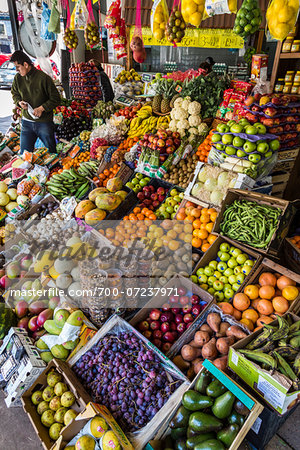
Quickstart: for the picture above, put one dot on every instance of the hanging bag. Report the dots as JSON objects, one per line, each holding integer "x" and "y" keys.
{"x": 70, "y": 38}
{"x": 175, "y": 29}
{"x": 281, "y": 17}
{"x": 79, "y": 16}
{"x": 137, "y": 44}
{"x": 159, "y": 19}
{"x": 91, "y": 31}
{"x": 45, "y": 34}
{"x": 54, "y": 21}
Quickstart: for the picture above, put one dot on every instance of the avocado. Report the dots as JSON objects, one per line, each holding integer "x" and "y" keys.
{"x": 180, "y": 444}
{"x": 203, "y": 381}
{"x": 204, "y": 423}
{"x": 215, "y": 389}
{"x": 228, "y": 434}
{"x": 177, "y": 433}
{"x": 168, "y": 442}
{"x": 211, "y": 444}
{"x": 222, "y": 406}
{"x": 236, "y": 418}
{"x": 194, "y": 401}
{"x": 241, "y": 408}
{"x": 181, "y": 418}
{"x": 192, "y": 441}
{"x": 191, "y": 432}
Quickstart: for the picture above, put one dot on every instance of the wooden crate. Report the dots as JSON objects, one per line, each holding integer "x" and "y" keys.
{"x": 250, "y": 402}
{"x": 286, "y": 164}
{"x": 280, "y": 177}
{"x": 288, "y": 154}
{"x": 292, "y": 255}
{"x": 278, "y": 188}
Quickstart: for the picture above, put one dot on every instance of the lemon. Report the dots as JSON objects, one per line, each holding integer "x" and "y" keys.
{"x": 159, "y": 34}
{"x": 189, "y": 9}
{"x": 232, "y": 5}
{"x": 195, "y": 19}
{"x": 199, "y": 2}
{"x": 278, "y": 5}
{"x": 281, "y": 31}
{"x": 162, "y": 25}
{"x": 159, "y": 17}
{"x": 285, "y": 14}
{"x": 294, "y": 4}
{"x": 201, "y": 9}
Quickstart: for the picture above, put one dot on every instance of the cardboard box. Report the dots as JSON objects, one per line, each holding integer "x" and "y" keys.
{"x": 82, "y": 398}
{"x": 274, "y": 387}
{"x": 91, "y": 410}
{"x": 292, "y": 255}
{"x": 212, "y": 253}
{"x": 32, "y": 210}
{"x": 20, "y": 365}
{"x": 140, "y": 438}
{"x": 267, "y": 265}
{"x": 259, "y": 68}
{"x": 283, "y": 222}
{"x": 253, "y": 405}
{"x": 158, "y": 300}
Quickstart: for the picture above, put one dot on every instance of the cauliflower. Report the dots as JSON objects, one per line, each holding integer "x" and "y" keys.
{"x": 181, "y": 114}
{"x": 202, "y": 128}
{"x": 173, "y": 125}
{"x": 172, "y": 114}
{"x": 181, "y": 131}
{"x": 186, "y": 103}
{"x": 194, "y": 108}
{"x": 178, "y": 102}
{"x": 193, "y": 131}
{"x": 194, "y": 121}
{"x": 183, "y": 124}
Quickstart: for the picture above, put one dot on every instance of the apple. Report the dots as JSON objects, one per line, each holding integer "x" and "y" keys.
{"x": 260, "y": 128}
{"x": 238, "y": 142}
{"x": 166, "y": 307}
{"x": 222, "y": 266}
{"x": 227, "y": 139}
{"x": 157, "y": 343}
{"x": 177, "y": 310}
{"x": 219, "y": 296}
{"x": 236, "y": 128}
{"x": 210, "y": 281}
{"x": 155, "y": 325}
{"x": 237, "y": 270}
{"x": 228, "y": 272}
{"x": 250, "y": 129}
{"x": 160, "y": 191}
{"x": 241, "y": 258}
{"x": 33, "y": 324}
{"x": 217, "y": 274}
{"x": 167, "y": 316}
{"x": 157, "y": 334}
{"x": 184, "y": 300}
{"x": 254, "y": 158}
{"x": 216, "y": 137}
{"x": 213, "y": 264}
{"x": 208, "y": 271}
{"x": 173, "y": 326}
{"x": 187, "y": 309}
{"x": 232, "y": 279}
{"x": 240, "y": 153}
{"x": 224, "y": 257}
{"x": 143, "y": 326}
{"x": 234, "y": 251}
{"x": 249, "y": 100}
{"x": 228, "y": 294}
{"x": 274, "y": 145}
{"x": 240, "y": 278}
{"x": 195, "y": 300}
{"x": 202, "y": 278}
{"x": 236, "y": 286}
{"x": 155, "y": 314}
{"x": 169, "y": 337}
{"x": 220, "y": 147}
{"x": 165, "y": 327}
{"x": 223, "y": 279}
{"x": 230, "y": 150}
{"x": 225, "y": 247}
{"x": 211, "y": 291}
{"x": 196, "y": 310}
{"x": 187, "y": 318}
{"x": 218, "y": 285}
{"x": 249, "y": 146}
{"x": 262, "y": 147}
{"x": 178, "y": 318}
{"x": 5, "y": 282}
{"x": 231, "y": 263}
{"x": 222, "y": 128}
{"x": 246, "y": 269}
{"x": 147, "y": 334}
{"x": 271, "y": 112}
{"x": 181, "y": 327}
{"x": 200, "y": 271}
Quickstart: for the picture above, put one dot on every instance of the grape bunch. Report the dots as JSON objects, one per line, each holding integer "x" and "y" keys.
{"x": 121, "y": 373}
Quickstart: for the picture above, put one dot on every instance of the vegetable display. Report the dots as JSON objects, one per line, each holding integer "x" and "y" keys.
{"x": 250, "y": 222}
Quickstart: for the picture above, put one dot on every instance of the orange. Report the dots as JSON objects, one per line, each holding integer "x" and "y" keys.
{"x": 211, "y": 238}
{"x": 106, "y": 172}
{"x": 290, "y": 293}
{"x": 136, "y": 210}
{"x": 263, "y": 319}
{"x": 152, "y": 216}
{"x": 189, "y": 204}
{"x": 254, "y": 303}
{"x": 205, "y": 247}
{"x": 265, "y": 307}
{"x": 180, "y": 216}
{"x": 188, "y": 228}
{"x": 257, "y": 328}
{"x": 204, "y": 218}
{"x": 209, "y": 226}
{"x": 203, "y": 234}
{"x": 249, "y": 324}
{"x": 140, "y": 216}
{"x": 227, "y": 308}
{"x": 196, "y": 224}
{"x": 196, "y": 212}
{"x": 173, "y": 245}
{"x": 211, "y": 211}
{"x": 241, "y": 302}
{"x": 172, "y": 234}
{"x": 267, "y": 279}
{"x": 267, "y": 292}
{"x": 250, "y": 314}
{"x": 213, "y": 216}
{"x": 252, "y": 291}
{"x": 280, "y": 304}
{"x": 196, "y": 242}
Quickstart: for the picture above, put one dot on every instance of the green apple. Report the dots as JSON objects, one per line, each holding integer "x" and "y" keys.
{"x": 225, "y": 247}
{"x": 218, "y": 285}
{"x": 240, "y": 153}
{"x": 232, "y": 263}
{"x": 204, "y": 286}
{"x": 274, "y": 145}
{"x": 213, "y": 264}
{"x": 238, "y": 142}
{"x": 169, "y": 209}
{"x": 228, "y": 294}
{"x": 236, "y": 287}
{"x": 219, "y": 296}
{"x": 244, "y": 122}
{"x": 210, "y": 281}
{"x": 230, "y": 150}
{"x": 222, "y": 128}
{"x": 224, "y": 256}
{"x": 144, "y": 182}
{"x": 202, "y": 278}
{"x": 173, "y": 192}
{"x": 232, "y": 279}
{"x": 211, "y": 290}
{"x": 173, "y": 215}
{"x": 219, "y": 253}
{"x": 134, "y": 181}
{"x": 268, "y": 154}
{"x": 223, "y": 279}
{"x": 208, "y": 271}
{"x": 216, "y": 137}
{"x": 227, "y": 286}
{"x": 200, "y": 271}
{"x": 220, "y": 147}
{"x": 137, "y": 188}
{"x": 194, "y": 279}
{"x": 249, "y": 147}
{"x": 228, "y": 272}
{"x": 246, "y": 269}
{"x": 240, "y": 278}
{"x": 250, "y": 129}
{"x": 177, "y": 198}
{"x": 147, "y": 179}
{"x": 139, "y": 176}
{"x": 235, "y": 252}
{"x": 129, "y": 185}
{"x": 249, "y": 262}
{"x": 237, "y": 270}
{"x": 261, "y": 129}
{"x": 254, "y": 158}
{"x": 181, "y": 195}
{"x": 227, "y": 139}
{"x": 241, "y": 258}
{"x": 231, "y": 122}
{"x": 176, "y": 207}
{"x": 236, "y": 128}
{"x": 217, "y": 274}
{"x": 222, "y": 266}
{"x": 262, "y": 147}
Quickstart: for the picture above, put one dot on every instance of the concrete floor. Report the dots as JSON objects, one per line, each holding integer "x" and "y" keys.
{"x": 17, "y": 433}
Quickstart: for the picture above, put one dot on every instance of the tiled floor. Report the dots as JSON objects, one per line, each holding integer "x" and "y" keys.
{"x": 17, "y": 433}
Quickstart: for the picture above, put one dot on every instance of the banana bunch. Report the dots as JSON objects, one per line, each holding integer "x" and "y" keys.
{"x": 139, "y": 127}
{"x": 145, "y": 112}
{"x": 68, "y": 183}
{"x": 88, "y": 168}
{"x": 85, "y": 135}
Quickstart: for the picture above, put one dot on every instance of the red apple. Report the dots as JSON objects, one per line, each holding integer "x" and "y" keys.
{"x": 184, "y": 300}
{"x": 143, "y": 326}
{"x": 155, "y": 314}
{"x": 155, "y": 325}
{"x": 161, "y": 198}
{"x": 187, "y": 309}
{"x": 167, "y": 316}
{"x": 160, "y": 191}
{"x": 249, "y": 100}
{"x": 181, "y": 327}
{"x": 188, "y": 318}
{"x": 166, "y": 347}
{"x": 181, "y": 290}
{"x": 147, "y": 334}
{"x": 270, "y": 112}
{"x": 178, "y": 318}
{"x": 166, "y": 307}
{"x": 195, "y": 299}
{"x": 154, "y": 196}
{"x": 173, "y": 299}
{"x": 165, "y": 326}
{"x": 173, "y": 326}
{"x": 169, "y": 337}
{"x": 157, "y": 334}
{"x": 196, "y": 310}
{"x": 157, "y": 343}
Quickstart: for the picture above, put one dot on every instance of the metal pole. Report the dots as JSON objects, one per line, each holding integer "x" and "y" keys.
{"x": 14, "y": 23}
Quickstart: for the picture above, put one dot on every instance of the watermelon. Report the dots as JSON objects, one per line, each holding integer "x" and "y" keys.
{"x": 17, "y": 174}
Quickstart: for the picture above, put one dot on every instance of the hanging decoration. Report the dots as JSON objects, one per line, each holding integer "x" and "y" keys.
{"x": 137, "y": 44}
{"x": 115, "y": 26}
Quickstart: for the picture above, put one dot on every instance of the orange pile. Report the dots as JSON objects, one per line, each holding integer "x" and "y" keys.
{"x": 102, "y": 179}
{"x": 126, "y": 231}
{"x": 123, "y": 148}
{"x": 259, "y": 303}
{"x": 204, "y": 147}
{"x": 202, "y": 220}
{"x": 296, "y": 241}
{"x": 82, "y": 157}
{"x": 140, "y": 214}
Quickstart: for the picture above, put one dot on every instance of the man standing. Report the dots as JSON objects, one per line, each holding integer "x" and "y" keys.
{"x": 35, "y": 92}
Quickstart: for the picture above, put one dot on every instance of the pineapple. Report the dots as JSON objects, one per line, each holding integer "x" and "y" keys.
{"x": 166, "y": 89}
{"x": 156, "y": 103}
{"x": 165, "y": 105}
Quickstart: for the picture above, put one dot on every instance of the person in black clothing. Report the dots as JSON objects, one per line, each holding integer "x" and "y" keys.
{"x": 207, "y": 65}
{"x": 107, "y": 90}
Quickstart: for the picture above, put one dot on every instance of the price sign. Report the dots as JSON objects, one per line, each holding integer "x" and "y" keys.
{"x": 124, "y": 100}
{"x": 146, "y": 77}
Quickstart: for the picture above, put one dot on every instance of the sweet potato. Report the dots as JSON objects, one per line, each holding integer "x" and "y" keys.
{"x": 223, "y": 328}
{"x": 197, "y": 366}
{"x": 236, "y": 332}
{"x": 201, "y": 338}
{"x": 224, "y": 343}
{"x": 214, "y": 321}
{"x": 181, "y": 363}
{"x": 209, "y": 350}
{"x": 206, "y": 328}
{"x": 190, "y": 353}
{"x": 221, "y": 363}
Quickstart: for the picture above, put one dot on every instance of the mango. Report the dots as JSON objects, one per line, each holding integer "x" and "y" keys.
{"x": 46, "y": 356}
{"x": 37, "y": 307}
{"x": 59, "y": 352}
{"x": 76, "y": 318}
{"x": 40, "y": 344}
{"x": 55, "y": 430}
{"x": 51, "y": 327}
{"x": 85, "y": 443}
{"x": 70, "y": 345}
{"x": 98, "y": 427}
{"x": 110, "y": 438}
{"x": 60, "y": 317}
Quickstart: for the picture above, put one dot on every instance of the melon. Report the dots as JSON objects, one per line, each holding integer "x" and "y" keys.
{"x": 3, "y": 186}
{"x": 11, "y": 206}
{"x": 22, "y": 199}
{"x": 18, "y": 173}
{"x": 12, "y": 193}
{"x": 4, "y": 199}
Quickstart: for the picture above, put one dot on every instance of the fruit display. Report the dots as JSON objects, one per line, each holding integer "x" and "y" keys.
{"x": 186, "y": 118}
{"x": 8, "y": 319}
{"x": 248, "y": 19}
{"x": 11, "y": 197}
{"x": 84, "y": 82}
{"x": 133, "y": 400}
{"x": 281, "y": 18}
{"x": 251, "y": 223}
{"x": 139, "y": 127}
{"x": 163, "y": 326}
{"x": 211, "y": 340}
{"x": 192, "y": 12}
{"x": 54, "y": 403}
{"x": 46, "y": 208}
{"x": 98, "y": 148}
{"x": 72, "y": 126}
{"x": 104, "y": 110}
{"x": 181, "y": 173}
{"x": 129, "y": 112}
{"x": 70, "y": 183}
{"x": 129, "y": 83}
{"x": 275, "y": 348}
{"x": 165, "y": 142}
{"x": 91, "y": 34}
{"x": 165, "y": 95}
{"x": 210, "y": 414}
{"x": 102, "y": 178}
{"x": 170, "y": 206}
{"x": 205, "y": 147}
{"x": 295, "y": 240}
{"x": 201, "y": 221}
{"x": 225, "y": 274}
{"x": 127, "y": 75}
{"x": 113, "y": 131}
{"x": 175, "y": 28}
{"x": 70, "y": 39}
{"x": 159, "y": 19}
{"x": 260, "y": 302}
{"x": 138, "y": 182}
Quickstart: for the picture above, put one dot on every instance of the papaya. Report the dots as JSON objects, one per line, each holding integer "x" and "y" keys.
{"x": 94, "y": 217}
{"x": 83, "y": 207}
{"x": 93, "y": 194}
{"x": 114, "y": 184}
{"x": 108, "y": 202}
{"x": 122, "y": 194}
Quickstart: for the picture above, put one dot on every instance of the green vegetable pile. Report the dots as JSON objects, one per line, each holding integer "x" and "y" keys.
{"x": 250, "y": 222}
{"x": 206, "y": 90}
{"x": 210, "y": 417}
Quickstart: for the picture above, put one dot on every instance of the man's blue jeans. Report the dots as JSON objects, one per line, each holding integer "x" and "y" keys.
{"x": 30, "y": 131}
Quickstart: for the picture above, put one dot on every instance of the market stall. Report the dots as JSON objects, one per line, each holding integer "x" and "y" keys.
{"x": 150, "y": 279}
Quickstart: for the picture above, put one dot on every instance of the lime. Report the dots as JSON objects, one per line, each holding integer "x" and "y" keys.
{"x": 256, "y": 12}
{"x": 238, "y": 29}
{"x": 256, "y": 21}
{"x": 248, "y": 28}
{"x": 243, "y": 22}
{"x": 249, "y": 16}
